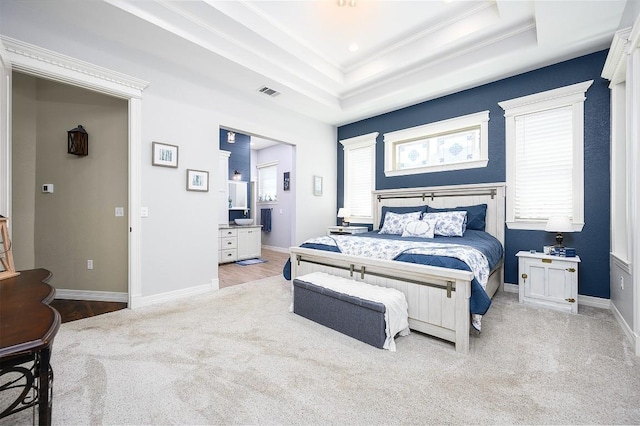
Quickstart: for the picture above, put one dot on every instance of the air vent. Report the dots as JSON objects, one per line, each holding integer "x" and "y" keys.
{"x": 268, "y": 91}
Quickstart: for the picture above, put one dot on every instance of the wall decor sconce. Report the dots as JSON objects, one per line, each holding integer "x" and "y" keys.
{"x": 231, "y": 137}
{"x": 237, "y": 175}
{"x": 78, "y": 141}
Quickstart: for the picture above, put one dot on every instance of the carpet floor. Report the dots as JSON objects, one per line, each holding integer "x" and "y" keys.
{"x": 238, "y": 356}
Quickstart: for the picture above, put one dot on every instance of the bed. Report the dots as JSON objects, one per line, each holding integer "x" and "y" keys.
{"x": 443, "y": 291}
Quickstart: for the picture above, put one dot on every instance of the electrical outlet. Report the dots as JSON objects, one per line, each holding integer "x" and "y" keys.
{"x": 621, "y": 282}
{"x": 89, "y": 264}
{"x": 119, "y": 211}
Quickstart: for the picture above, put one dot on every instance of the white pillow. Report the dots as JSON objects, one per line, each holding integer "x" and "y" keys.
{"x": 449, "y": 224}
{"x": 420, "y": 229}
{"x": 394, "y": 223}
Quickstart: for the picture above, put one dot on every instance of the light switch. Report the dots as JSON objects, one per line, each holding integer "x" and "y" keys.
{"x": 119, "y": 211}
{"x": 144, "y": 211}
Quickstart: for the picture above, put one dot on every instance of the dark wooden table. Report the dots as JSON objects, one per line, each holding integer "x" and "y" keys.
{"x": 28, "y": 326}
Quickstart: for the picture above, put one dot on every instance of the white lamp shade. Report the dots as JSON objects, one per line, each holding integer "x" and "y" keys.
{"x": 343, "y": 212}
{"x": 559, "y": 224}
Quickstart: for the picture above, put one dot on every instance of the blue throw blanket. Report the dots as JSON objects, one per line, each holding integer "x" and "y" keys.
{"x": 479, "y": 302}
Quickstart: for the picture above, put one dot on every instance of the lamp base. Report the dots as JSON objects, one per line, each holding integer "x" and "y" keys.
{"x": 559, "y": 239}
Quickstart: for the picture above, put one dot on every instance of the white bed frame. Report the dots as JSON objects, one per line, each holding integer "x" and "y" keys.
{"x": 438, "y": 298}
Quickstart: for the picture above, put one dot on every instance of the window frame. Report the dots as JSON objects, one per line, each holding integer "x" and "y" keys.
{"x": 573, "y": 95}
{"x": 451, "y": 125}
{"x": 368, "y": 140}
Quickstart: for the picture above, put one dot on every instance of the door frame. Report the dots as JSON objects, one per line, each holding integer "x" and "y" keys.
{"x": 36, "y": 61}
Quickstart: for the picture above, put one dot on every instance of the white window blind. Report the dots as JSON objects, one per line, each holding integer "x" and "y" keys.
{"x": 359, "y": 176}
{"x": 361, "y": 181}
{"x": 544, "y": 164}
{"x": 268, "y": 182}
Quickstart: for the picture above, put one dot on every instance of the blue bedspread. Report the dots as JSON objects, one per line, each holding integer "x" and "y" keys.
{"x": 486, "y": 243}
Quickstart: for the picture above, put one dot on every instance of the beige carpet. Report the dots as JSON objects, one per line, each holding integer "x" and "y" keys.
{"x": 238, "y": 356}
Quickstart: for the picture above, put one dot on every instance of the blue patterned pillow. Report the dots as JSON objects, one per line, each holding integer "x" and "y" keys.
{"x": 449, "y": 224}
{"x": 394, "y": 223}
{"x": 400, "y": 209}
{"x": 476, "y": 215}
{"x": 420, "y": 229}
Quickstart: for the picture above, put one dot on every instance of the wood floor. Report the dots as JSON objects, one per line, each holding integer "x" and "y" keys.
{"x": 71, "y": 310}
{"x": 229, "y": 274}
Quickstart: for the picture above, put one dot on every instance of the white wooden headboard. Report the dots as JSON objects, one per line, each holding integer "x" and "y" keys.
{"x": 491, "y": 194}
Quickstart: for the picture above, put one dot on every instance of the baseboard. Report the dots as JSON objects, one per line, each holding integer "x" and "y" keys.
{"x": 96, "y": 296}
{"x": 633, "y": 339}
{"x": 280, "y": 249}
{"x": 594, "y": 302}
{"x": 141, "y": 301}
{"x": 511, "y": 288}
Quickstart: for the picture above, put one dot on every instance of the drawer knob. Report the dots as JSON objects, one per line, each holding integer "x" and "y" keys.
{"x": 571, "y": 269}
{"x": 524, "y": 276}
{"x": 571, "y": 300}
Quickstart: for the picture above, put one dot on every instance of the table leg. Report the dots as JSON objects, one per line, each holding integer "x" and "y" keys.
{"x": 44, "y": 387}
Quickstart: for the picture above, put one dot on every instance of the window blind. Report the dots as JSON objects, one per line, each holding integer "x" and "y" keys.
{"x": 544, "y": 164}
{"x": 267, "y": 183}
{"x": 359, "y": 177}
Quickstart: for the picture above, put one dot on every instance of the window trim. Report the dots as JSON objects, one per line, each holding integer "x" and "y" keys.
{"x": 362, "y": 141}
{"x": 573, "y": 95}
{"x": 450, "y": 125}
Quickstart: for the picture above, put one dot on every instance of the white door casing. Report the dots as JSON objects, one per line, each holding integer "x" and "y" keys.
{"x": 33, "y": 60}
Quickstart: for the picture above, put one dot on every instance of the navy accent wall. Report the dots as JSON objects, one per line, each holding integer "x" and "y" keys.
{"x": 240, "y": 160}
{"x": 592, "y": 244}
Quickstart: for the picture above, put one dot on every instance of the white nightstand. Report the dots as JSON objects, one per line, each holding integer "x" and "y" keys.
{"x": 548, "y": 281}
{"x": 346, "y": 230}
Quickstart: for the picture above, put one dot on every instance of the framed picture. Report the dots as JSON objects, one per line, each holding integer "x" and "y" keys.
{"x": 286, "y": 181}
{"x": 164, "y": 155}
{"x": 197, "y": 180}
{"x": 317, "y": 185}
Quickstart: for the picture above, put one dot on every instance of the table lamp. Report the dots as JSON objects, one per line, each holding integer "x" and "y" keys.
{"x": 344, "y": 214}
{"x": 559, "y": 224}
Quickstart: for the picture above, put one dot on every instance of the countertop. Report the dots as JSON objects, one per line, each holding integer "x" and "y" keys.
{"x": 233, "y": 225}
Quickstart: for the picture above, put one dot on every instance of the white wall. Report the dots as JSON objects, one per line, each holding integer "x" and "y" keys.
{"x": 178, "y": 239}
{"x": 283, "y": 213}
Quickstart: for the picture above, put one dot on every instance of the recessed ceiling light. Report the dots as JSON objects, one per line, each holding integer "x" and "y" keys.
{"x": 353, "y": 47}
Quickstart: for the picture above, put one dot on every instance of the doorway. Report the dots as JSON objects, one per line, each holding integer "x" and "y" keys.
{"x": 37, "y": 61}
{"x": 74, "y": 229}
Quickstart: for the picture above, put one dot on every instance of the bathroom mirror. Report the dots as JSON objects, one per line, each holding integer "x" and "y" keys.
{"x": 237, "y": 195}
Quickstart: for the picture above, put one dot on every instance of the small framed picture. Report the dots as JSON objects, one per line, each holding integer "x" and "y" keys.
{"x": 286, "y": 181}
{"x": 197, "y": 180}
{"x": 317, "y": 185}
{"x": 164, "y": 155}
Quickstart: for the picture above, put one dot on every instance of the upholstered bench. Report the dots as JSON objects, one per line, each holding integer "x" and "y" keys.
{"x": 353, "y": 308}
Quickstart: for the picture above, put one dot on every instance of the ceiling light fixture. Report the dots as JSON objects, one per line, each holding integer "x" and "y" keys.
{"x": 351, "y": 3}
{"x": 353, "y": 47}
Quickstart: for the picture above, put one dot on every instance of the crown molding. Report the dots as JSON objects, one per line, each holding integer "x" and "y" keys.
{"x": 615, "y": 67}
{"x": 34, "y": 60}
